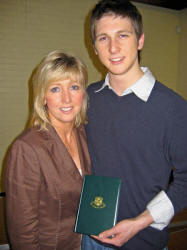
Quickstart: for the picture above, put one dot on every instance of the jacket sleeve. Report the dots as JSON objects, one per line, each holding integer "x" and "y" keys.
{"x": 22, "y": 196}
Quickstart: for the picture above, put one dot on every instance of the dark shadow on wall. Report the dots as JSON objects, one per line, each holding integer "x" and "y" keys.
{"x": 2, "y": 175}
{"x": 30, "y": 97}
{"x": 89, "y": 46}
{"x": 30, "y": 110}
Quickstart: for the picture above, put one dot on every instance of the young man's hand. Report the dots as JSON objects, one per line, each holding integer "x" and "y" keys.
{"x": 125, "y": 229}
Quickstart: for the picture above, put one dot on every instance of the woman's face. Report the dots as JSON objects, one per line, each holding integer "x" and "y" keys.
{"x": 64, "y": 100}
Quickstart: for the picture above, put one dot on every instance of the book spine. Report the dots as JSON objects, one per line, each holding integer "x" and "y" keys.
{"x": 117, "y": 204}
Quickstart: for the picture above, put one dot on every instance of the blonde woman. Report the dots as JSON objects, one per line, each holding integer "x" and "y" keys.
{"x": 46, "y": 164}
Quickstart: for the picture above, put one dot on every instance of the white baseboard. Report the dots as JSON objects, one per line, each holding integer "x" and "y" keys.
{"x": 4, "y": 247}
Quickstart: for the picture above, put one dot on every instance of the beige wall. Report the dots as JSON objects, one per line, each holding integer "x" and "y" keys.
{"x": 182, "y": 62}
{"x": 161, "y": 44}
{"x": 31, "y": 29}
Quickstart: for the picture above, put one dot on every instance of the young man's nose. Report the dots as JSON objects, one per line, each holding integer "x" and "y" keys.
{"x": 113, "y": 46}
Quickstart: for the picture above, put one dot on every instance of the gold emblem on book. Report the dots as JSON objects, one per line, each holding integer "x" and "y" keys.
{"x": 98, "y": 202}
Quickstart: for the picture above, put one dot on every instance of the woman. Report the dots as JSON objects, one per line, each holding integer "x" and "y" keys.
{"x": 46, "y": 164}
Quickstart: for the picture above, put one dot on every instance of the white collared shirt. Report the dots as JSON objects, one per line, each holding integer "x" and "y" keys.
{"x": 142, "y": 88}
{"x": 160, "y": 207}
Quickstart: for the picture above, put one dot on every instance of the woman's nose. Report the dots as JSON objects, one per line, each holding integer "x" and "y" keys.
{"x": 66, "y": 97}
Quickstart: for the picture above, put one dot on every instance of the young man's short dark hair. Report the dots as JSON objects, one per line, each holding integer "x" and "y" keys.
{"x": 121, "y": 8}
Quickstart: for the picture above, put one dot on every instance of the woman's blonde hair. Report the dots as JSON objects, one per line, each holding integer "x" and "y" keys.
{"x": 56, "y": 65}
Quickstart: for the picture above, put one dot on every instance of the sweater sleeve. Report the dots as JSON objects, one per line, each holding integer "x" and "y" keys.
{"x": 169, "y": 202}
{"x": 177, "y": 148}
{"x": 22, "y": 196}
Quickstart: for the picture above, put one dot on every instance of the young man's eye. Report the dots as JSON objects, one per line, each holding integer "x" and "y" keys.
{"x": 123, "y": 35}
{"x": 55, "y": 89}
{"x": 102, "y": 38}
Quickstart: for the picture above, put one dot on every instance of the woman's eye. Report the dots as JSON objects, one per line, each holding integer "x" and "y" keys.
{"x": 55, "y": 89}
{"x": 75, "y": 87}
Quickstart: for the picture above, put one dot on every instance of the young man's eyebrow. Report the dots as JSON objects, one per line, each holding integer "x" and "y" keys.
{"x": 101, "y": 34}
{"x": 125, "y": 31}
{"x": 119, "y": 31}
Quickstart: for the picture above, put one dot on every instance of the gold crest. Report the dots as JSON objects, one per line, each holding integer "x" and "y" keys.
{"x": 98, "y": 202}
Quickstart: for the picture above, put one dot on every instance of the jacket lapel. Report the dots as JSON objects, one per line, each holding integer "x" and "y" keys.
{"x": 62, "y": 157}
{"x": 83, "y": 150}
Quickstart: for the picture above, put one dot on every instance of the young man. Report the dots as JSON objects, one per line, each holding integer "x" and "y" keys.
{"x": 137, "y": 130}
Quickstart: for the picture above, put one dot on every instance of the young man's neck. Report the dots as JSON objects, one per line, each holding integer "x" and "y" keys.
{"x": 120, "y": 83}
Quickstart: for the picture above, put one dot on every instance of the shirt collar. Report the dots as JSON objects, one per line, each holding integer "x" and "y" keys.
{"x": 142, "y": 88}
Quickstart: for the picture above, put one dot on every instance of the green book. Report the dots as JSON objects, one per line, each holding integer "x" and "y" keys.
{"x": 98, "y": 204}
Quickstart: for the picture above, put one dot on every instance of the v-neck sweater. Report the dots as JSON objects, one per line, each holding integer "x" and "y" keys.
{"x": 140, "y": 142}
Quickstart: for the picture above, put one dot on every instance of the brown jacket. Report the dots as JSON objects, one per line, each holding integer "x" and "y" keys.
{"x": 43, "y": 187}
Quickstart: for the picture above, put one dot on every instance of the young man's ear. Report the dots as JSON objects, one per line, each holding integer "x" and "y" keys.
{"x": 141, "y": 42}
{"x": 95, "y": 49}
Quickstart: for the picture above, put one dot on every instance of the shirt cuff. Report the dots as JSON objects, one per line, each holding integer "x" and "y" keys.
{"x": 161, "y": 209}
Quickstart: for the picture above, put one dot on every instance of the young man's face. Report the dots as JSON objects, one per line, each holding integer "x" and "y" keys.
{"x": 116, "y": 44}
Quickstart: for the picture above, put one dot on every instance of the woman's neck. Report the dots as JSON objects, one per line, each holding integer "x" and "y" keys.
{"x": 68, "y": 138}
{"x": 66, "y": 133}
